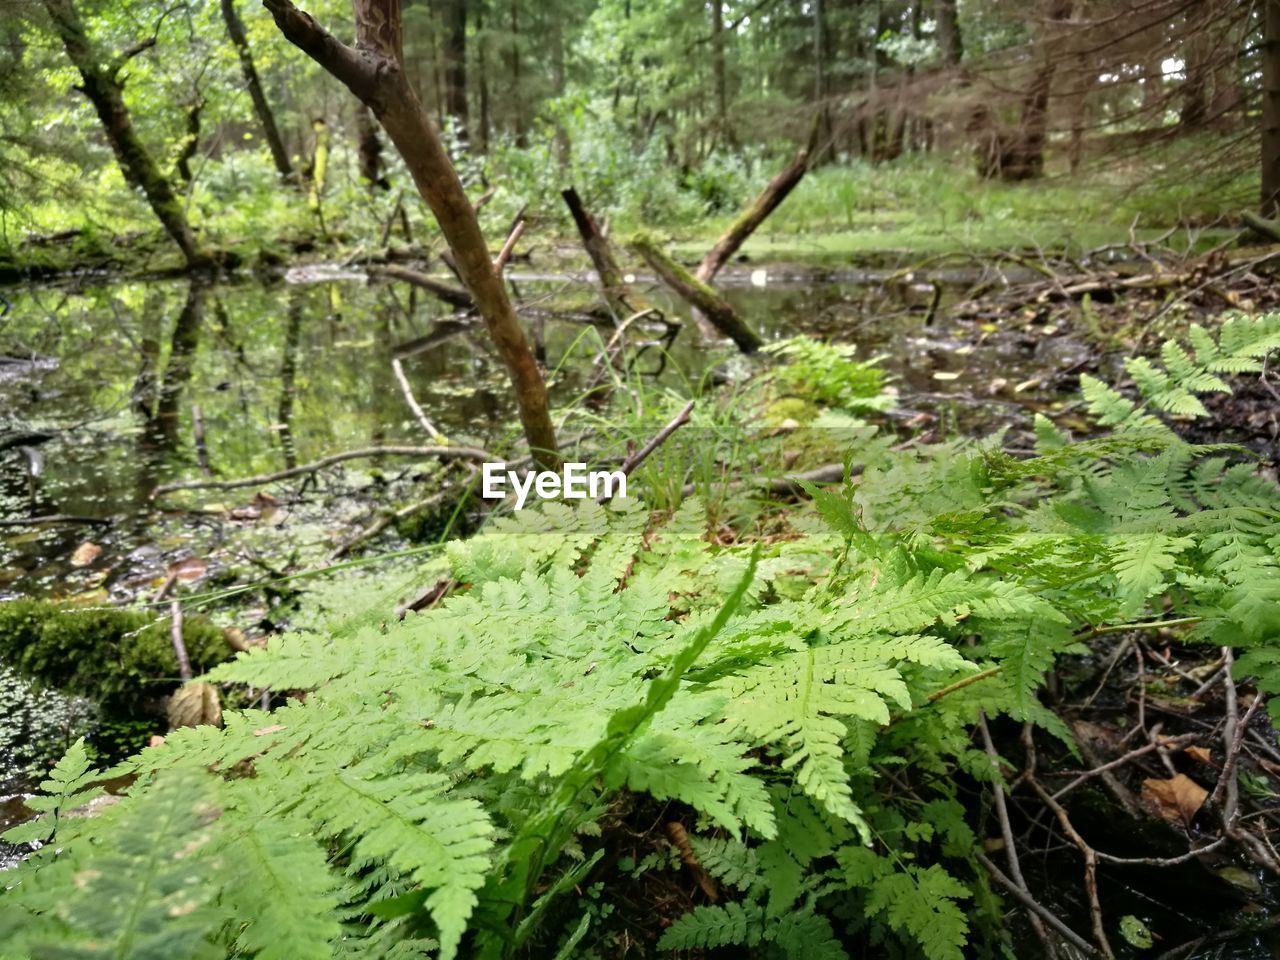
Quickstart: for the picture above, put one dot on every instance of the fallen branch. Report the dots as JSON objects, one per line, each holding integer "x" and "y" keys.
{"x": 384, "y": 521}
{"x": 769, "y": 199}
{"x": 54, "y": 518}
{"x": 698, "y": 294}
{"x": 786, "y": 486}
{"x": 398, "y": 369}
{"x": 444, "y": 453}
{"x": 1022, "y": 896}
{"x": 446, "y": 292}
{"x": 597, "y": 247}
{"x": 639, "y": 457}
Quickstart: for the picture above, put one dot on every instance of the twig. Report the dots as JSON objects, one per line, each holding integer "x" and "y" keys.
{"x": 179, "y": 646}
{"x": 509, "y": 247}
{"x": 1122, "y": 760}
{"x": 1006, "y": 830}
{"x": 639, "y": 457}
{"x": 54, "y": 518}
{"x": 1090, "y": 858}
{"x": 444, "y": 453}
{"x": 1024, "y": 897}
{"x": 398, "y": 369}
{"x": 964, "y": 682}
{"x": 384, "y": 521}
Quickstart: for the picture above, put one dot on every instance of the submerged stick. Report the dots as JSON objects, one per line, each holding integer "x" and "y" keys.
{"x": 444, "y": 453}
{"x": 398, "y": 369}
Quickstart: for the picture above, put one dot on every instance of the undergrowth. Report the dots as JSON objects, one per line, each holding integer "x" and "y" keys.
{"x": 802, "y": 707}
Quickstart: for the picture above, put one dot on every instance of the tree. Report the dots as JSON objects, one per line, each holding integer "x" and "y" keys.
{"x": 1271, "y": 110}
{"x": 947, "y": 27}
{"x": 455, "y": 62}
{"x": 101, "y": 83}
{"x": 261, "y": 108}
{"x": 373, "y": 71}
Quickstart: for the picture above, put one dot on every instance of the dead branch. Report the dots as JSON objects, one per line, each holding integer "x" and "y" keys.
{"x": 657, "y": 440}
{"x": 597, "y": 246}
{"x": 179, "y": 645}
{"x": 769, "y": 199}
{"x": 446, "y": 292}
{"x": 444, "y": 453}
{"x": 698, "y": 295}
{"x": 509, "y": 246}
{"x": 398, "y": 369}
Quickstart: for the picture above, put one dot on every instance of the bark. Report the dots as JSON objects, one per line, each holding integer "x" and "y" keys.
{"x": 191, "y": 142}
{"x": 261, "y": 108}
{"x": 947, "y": 27}
{"x": 1270, "y": 206}
{"x": 1025, "y": 160}
{"x": 597, "y": 247}
{"x": 369, "y": 149}
{"x": 719, "y": 72}
{"x": 455, "y": 63}
{"x": 517, "y": 85}
{"x": 698, "y": 295}
{"x": 372, "y": 71}
{"x": 100, "y": 82}
{"x": 769, "y": 200}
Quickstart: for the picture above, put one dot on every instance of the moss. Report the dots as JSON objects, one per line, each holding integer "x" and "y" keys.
{"x": 121, "y": 658}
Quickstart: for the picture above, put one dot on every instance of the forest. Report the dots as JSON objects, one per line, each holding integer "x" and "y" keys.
{"x": 601, "y": 479}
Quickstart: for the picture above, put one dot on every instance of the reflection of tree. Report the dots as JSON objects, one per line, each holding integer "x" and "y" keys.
{"x": 288, "y": 377}
{"x": 177, "y": 372}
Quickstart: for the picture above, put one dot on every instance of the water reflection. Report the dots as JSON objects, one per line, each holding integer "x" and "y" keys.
{"x": 284, "y": 373}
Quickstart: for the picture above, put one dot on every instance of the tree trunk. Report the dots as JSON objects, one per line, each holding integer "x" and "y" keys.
{"x": 1270, "y": 207}
{"x": 191, "y": 142}
{"x": 372, "y": 71}
{"x": 101, "y": 84}
{"x": 947, "y": 27}
{"x": 261, "y": 109}
{"x": 482, "y": 143}
{"x": 719, "y": 73}
{"x": 1025, "y": 160}
{"x": 698, "y": 295}
{"x": 770, "y": 199}
{"x": 455, "y": 64}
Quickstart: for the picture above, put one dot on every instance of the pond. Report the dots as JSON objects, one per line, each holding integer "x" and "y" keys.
{"x": 107, "y": 390}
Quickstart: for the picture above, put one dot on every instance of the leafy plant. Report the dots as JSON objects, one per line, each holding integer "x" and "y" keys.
{"x": 449, "y": 778}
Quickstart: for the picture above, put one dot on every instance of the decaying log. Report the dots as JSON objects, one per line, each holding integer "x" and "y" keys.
{"x": 620, "y": 301}
{"x": 698, "y": 294}
{"x": 769, "y": 199}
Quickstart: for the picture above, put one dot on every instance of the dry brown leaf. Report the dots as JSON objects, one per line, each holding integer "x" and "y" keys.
{"x": 188, "y": 569}
{"x": 236, "y": 639}
{"x": 194, "y": 705}
{"x": 263, "y": 731}
{"x": 1199, "y": 753}
{"x": 1177, "y": 799}
{"x": 85, "y": 554}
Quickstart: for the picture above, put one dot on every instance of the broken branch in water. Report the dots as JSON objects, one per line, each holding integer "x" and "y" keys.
{"x": 698, "y": 295}
{"x": 179, "y": 646}
{"x": 446, "y": 292}
{"x": 444, "y": 453}
{"x": 398, "y": 369}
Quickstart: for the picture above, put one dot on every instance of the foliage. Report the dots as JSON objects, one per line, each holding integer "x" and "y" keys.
{"x": 449, "y": 777}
